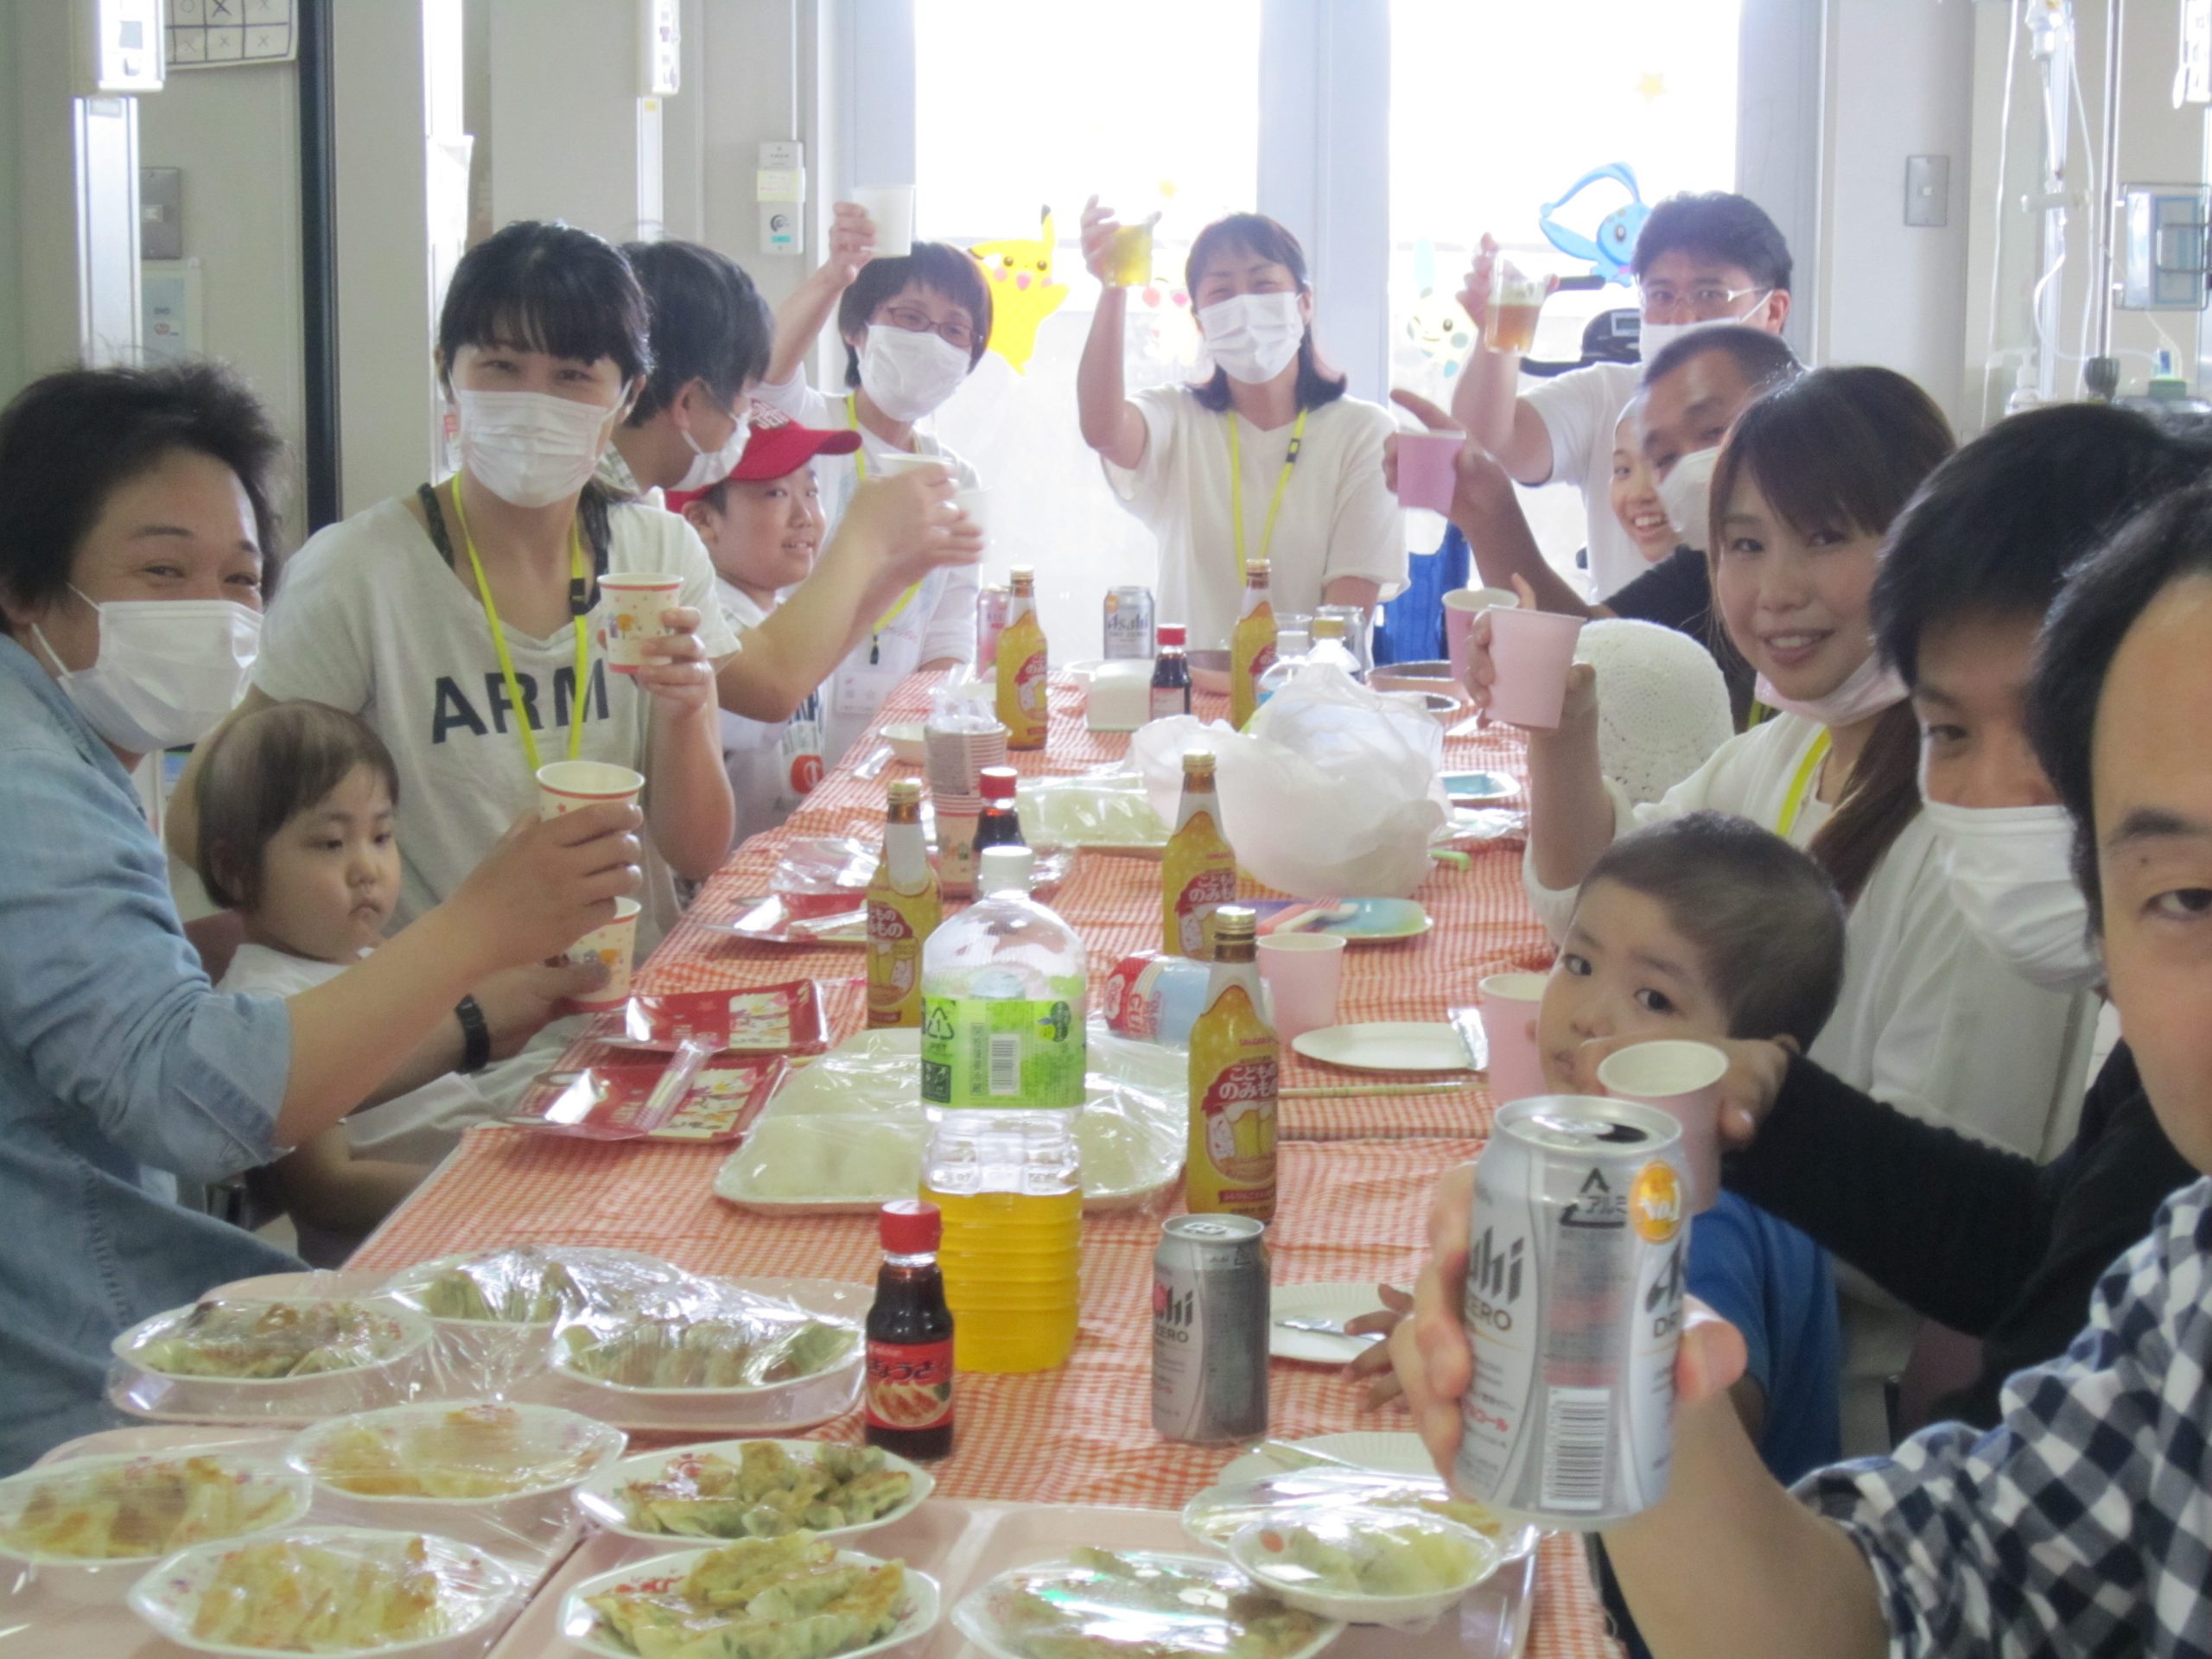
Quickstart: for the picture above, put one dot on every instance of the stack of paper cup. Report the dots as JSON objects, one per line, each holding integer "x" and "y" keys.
{"x": 957, "y": 750}
{"x": 615, "y": 944}
{"x": 629, "y": 614}
{"x": 565, "y": 785}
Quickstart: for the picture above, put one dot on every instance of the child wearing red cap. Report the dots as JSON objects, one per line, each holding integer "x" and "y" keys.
{"x": 762, "y": 526}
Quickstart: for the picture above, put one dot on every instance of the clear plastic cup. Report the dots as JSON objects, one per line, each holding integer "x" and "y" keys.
{"x": 565, "y": 785}
{"x": 1516, "y": 299}
{"x": 1425, "y": 468}
{"x": 1461, "y": 607}
{"x": 1532, "y": 651}
{"x": 614, "y": 945}
{"x": 1302, "y": 972}
{"x": 629, "y": 606}
{"x": 1129, "y": 256}
{"x": 1682, "y": 1079}
{"x": 1510, "y": 1003}
{"x": 892, "y": 208}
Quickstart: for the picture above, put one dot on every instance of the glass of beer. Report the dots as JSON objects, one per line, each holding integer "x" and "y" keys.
{"x": 1129, "y": 256}
{"x": 1515, "y": 298}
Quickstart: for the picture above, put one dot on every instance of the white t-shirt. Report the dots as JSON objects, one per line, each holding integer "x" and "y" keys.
{"x": 938, "y": 621}
{"x": 368, "y": 619}
{"x": 1580, "y": 410}
{"x": 1930, "y": 1020}
{"x": 1338, "y": 517}
{"x": 773, "y": 765}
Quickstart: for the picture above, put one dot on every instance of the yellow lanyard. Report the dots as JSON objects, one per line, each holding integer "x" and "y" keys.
{"x": 499, "y": 638}
{"x": 859, "y": 466}
{"x": 1237, "y": 486}
{"x": 1794, "y": 803}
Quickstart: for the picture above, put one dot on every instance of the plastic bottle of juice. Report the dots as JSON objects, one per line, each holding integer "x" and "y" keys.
{"x": 1021, "y": 666}
{"x": 1003, "y": 1003}
{"x": 1251, "y": 645}
{"x": 903, "y": 910}
{"x": 1330, "y": 645}
{"x": 1198, "y": 873}
{"x": 1232, "y": 1153}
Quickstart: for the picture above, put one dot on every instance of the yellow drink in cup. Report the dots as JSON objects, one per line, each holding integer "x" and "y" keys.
{"x": 1128, "y": 257}
{"x": 1515, "y": 300}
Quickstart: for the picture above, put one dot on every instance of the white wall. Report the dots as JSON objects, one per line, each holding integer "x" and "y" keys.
{"x": 564, "y": 86}
{"x": 46, "y": 213}
{"x": 11, "y": 288}
{"x": 742, "y": 95}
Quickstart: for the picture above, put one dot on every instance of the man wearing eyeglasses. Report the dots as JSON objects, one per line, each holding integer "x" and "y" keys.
{"x": 1701, "y": 261}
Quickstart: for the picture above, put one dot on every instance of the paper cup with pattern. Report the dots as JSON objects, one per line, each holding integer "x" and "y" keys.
{"x": 564, "y": 785}
{"x": 629, "y": 614}
{"x": 1682, "y": 1079}
{"x": 1510, "y": 1002}
{"x": 613, "y": 945}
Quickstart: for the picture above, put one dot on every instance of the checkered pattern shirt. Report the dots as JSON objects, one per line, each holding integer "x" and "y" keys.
{"x": 2081, "y": 1525}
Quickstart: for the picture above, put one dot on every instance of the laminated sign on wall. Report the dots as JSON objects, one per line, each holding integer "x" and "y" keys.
{"x": 223, "y": 33}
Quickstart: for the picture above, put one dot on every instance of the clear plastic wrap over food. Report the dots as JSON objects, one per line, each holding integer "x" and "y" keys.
{"x": 1293, "y": 1496}
{"x": 1103, "y": 809}
{"x": 1136, "y": 1604}
{"x": 754, "y": 1489}
{"x": 824, "y": 866}
{"x": 276, "y": 1361}
{"x": 496, "y": 1309}
{"x": 848, "y": 1133}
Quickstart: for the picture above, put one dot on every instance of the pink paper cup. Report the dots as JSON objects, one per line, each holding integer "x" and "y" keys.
{"x": 1302, "y": 972}
{"x": 615, "y": 944}
{"x": 1461, "y": 607}
{"x": 1532, "y": 651}
{"x": 1682, "y": 1079}
{"x": 1425, "y": 469}
{"x": 629, "y": 614}
{"x": 1509, "y": 1004}
{"x": 565, "y": 785}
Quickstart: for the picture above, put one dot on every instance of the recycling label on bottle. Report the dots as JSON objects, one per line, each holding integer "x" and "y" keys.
{"x": 981, "y": 1054}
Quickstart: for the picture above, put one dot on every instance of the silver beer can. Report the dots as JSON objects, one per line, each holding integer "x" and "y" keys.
{"x": 1210, "y": 1329}
{"x": 1573, "y": 1308}
{"x": 1129, "y": 631}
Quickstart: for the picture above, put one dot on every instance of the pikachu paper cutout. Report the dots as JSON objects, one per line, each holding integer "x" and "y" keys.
{"x": 1023, "y": 293}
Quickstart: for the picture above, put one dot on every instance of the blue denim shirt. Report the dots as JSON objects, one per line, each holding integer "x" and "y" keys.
{"x": 116, "y": 1055}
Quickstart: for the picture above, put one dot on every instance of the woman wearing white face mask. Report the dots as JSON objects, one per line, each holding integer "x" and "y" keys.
{"x": 135, "y": 535}
{"x": 1268, "y": 459}
{"x": 914, "y": 327}
{"x": 462, "y": 621}
{"x": 1930, "y": 1018}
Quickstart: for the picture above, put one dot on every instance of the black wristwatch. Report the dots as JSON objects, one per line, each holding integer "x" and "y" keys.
{"x": 475, "y": 1035}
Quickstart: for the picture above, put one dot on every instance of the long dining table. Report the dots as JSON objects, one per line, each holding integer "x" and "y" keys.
{"x": 1356, "y": 1164}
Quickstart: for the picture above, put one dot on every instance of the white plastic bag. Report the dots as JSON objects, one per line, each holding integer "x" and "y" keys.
{"x": 1333, "y": 791}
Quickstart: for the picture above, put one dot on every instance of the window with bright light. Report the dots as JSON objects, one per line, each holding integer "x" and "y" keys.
{"x": 1153, "y": 105}
{"x": 1498, "y": 110}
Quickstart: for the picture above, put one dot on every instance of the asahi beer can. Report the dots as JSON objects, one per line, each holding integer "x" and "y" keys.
{"x": 1574, "y": 1309}
{"x": 1210, "y": 1329}
{"x": 1129, "y": 633}
{"x": 992, "y": 605}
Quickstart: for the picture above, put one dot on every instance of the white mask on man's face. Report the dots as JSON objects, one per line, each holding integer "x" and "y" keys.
{"x": 1653, "y": 338}
{"x": 710, "y": 466}
{"x": 2010, "y": 872}
{"x": 1686, "y": 493}
{"x": 168, "y": 671}
{"x": 1253, "y": 336}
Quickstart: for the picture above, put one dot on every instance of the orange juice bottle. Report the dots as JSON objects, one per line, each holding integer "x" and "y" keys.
{"x": 1198, "y": 873}
{"x": 903, "y": 910}
{"x": 1251, "y": 645}
{"x": 1232, "y": 1153}
{"x": 1022, "y": 667}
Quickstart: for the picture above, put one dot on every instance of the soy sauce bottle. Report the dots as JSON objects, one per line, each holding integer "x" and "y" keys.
{"x": 999, "y": 825}
{"x": 909, "y": 1398}
{"x": 1171, "y": 675}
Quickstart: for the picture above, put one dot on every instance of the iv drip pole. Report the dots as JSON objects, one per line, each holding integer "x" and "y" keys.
{"x": 2101, "y": 375}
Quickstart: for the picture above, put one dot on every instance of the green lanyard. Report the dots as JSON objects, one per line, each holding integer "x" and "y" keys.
{"x": 499, "y": 638}
{"x": 1793, "y": 805}
{"x": 859, "y": 466}
{"x": 1237, "y": 486}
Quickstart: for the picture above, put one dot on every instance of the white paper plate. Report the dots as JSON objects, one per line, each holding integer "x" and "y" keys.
{"x": 1388, "y": 1453}
{"x": 1387, "y": 1045}
{"x": 596, "y": 1497}
{"x": 978, "y": 1623}
{"x": 582, "y": 1626}
{"x": 1329, "y": 1302}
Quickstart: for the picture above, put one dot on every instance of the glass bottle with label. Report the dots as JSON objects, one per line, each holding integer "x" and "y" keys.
{"x": 903, "y": 910}
{"x": 999, "y": 822}
{"x": 1170, "y": 674}
{"x": 908, "y": 1404}
{"x": 1022, "y": 667}
{"x": 1231, "y": 1167}
{"x": 1251, "y": 645}
{"x": 1198, "y": 873}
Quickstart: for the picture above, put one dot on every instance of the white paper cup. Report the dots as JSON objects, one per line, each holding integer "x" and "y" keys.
{"x": 565, "y": 785}
{"x": 892, "y": 208}
{"x": 613, "y": 945}
{"x": 1510, "y": 1003}
{"x": 1682, "y": 1079}
{"x": 629, "y": 614}
{"x": 976, "y": 503}
{"x": 892, "y": 465}
{"x": 1532, "y": 651}
{"x": 1461, "y": 607}
{"x": 1302, "y": 972}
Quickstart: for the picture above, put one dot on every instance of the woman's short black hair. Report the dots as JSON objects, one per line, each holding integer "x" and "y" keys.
{"x": 2099, "y": 606}
{"x": 1995, "y": 529}
{"x": 1732, "y": 229}
{"x": 1765, "y": 920}
{"x": 69, "y": 439}
{"x": 547, "y": 288}
{"x": 937, "y": 266}
{"x": 1264, "y": 238}
{"x": 263, "y": 769}
{"x": 708, "y": 323}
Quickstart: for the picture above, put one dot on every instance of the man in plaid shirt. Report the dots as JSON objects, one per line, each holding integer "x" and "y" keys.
{"x": 2082, "y": 1524}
